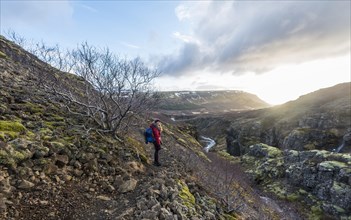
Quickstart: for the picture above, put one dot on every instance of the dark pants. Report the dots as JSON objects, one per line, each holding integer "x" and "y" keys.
{"x": 157, "y": 149}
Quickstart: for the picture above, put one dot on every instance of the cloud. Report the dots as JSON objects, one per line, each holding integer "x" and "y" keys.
{"x": 88, "y": 8}
{"x": 35, "y": 13}
{"x": 130, "y": 45}
{"x": 246, "y": 36}
{"x": 185, "y": 38}
{"x": 182, "y": 12}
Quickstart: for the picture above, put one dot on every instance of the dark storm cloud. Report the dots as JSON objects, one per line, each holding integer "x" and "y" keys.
{"x": 257, "y": 36}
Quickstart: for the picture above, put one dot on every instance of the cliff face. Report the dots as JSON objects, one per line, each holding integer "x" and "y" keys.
{"x": 300, "y": 161}
{"x": 320, "y": 120}
{"x": 319, "y": 179}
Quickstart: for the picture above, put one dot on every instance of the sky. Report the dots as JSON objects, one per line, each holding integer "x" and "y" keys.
{"x": 278, "y": 50}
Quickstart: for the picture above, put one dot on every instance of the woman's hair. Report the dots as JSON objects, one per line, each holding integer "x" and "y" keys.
{"x": 159, "y": 125}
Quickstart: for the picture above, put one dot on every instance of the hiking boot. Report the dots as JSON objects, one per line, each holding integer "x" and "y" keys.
{"x": 157, "y": 164}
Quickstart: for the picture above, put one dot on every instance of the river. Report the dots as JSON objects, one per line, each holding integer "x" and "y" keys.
{"x": 209, "y": 143}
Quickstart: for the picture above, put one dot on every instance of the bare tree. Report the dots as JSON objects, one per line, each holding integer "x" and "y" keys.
{"x": 16, "y": 38}
{"x": 113, "y": 91}
{"x": 52, "y": 55}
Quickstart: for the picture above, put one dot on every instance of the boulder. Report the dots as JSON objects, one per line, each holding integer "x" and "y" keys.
{"x": 24, "y": 184}
{"x": 165, "y": 214}
{"x": 104, "y": 198}
{"x": 50, "y": 169}
{"x": 128, "y": 186}
{"x": 61, "y": 160}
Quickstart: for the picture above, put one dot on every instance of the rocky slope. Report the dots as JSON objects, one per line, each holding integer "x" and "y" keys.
{"x": 196, "y": 102}
{"x": 291, "y": 150}
{"x": 320, "y": 180}
{"x": 52, "y": 168}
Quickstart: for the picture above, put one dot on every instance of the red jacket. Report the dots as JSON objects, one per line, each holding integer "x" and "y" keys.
{"x": 156, "y": 133}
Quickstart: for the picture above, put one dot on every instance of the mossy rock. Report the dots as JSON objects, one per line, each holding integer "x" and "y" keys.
{"x": 45, "y": 132}
{"x": 309, "y": 146}
{"x": 225, "y": 155}
{"x": 56, "y": 146}
{"x": 277, "y": 189}
{"x": 10, "y": 130}
{"x": 229, "y": 217}
{"x": 54, "y": 124}
{"x": 264, "y": 150}
{"x": 2, "y": 55}
{"x": 316, "y": 212}
{"x": 187, "y": 198}
{"x": 53, "y": 117}
{"x": 12, "y": 157}
{"x": 137, "y": 149}
{"x": 182, "y": 142}
{"x": 203, "y": 156}
{"x": 8, "y": 135}
{"x": 33, "y": 108}
{"x": 332, "y": 165}
{"x": 14, "y": 126}
{"x": 293, "y": 197}
{"x": 3, "y": 108}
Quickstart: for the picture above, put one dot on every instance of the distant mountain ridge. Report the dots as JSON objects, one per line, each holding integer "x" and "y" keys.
{"x": 210, "y": 101}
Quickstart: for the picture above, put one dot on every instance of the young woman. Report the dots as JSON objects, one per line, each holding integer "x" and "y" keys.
{"x": 156, "y": 131}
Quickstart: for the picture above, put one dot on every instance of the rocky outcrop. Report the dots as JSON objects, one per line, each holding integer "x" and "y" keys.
{"x": 288, "y": 135}
{"x": 323, "y": 178}
{"x": 320, "y": 120}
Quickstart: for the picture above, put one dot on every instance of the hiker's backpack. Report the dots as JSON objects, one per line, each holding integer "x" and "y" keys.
{"x": 149, "y": 138}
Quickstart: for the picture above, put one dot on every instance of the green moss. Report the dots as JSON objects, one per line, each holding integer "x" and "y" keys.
{"x": 2, "y": 136}
{"x": 302, "y": 192}
{"x": 278, "y": 190}
{"x": 53, "y": 124}
{"x": 10, "y": 130}
{"x": 294, "y": 153}
{"x": 321, "y": 153}
{"x": 339, "y": 209}
{"x": 273, "y": 152}
{"x": 33, "y": 108}
{"x": 137, "y": 149}
{"x": 2, "y": 55}
{"x": 3, "y": 155}
{"x": 228, "y": 157}
{"x": 316, "y": 213}
{"x": 57, "y": 118}
{"x": 331, "y": 165}
{"x": 309, "y": 147}
{"x": 186, "y": 196}
{"x": 3, "y": 108}
{"x": 182, "y": 141}
{"x": 57, "y": 145}
{"x": 13, "y": 126}
{"x": 18, "y": 156}
{"x": 250, "y": 160}
{"x": 229, "y": 217}
{"x": 293, "y": 197}
{"x": 30, "y": 135}
{"x": 45, "y": 132}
